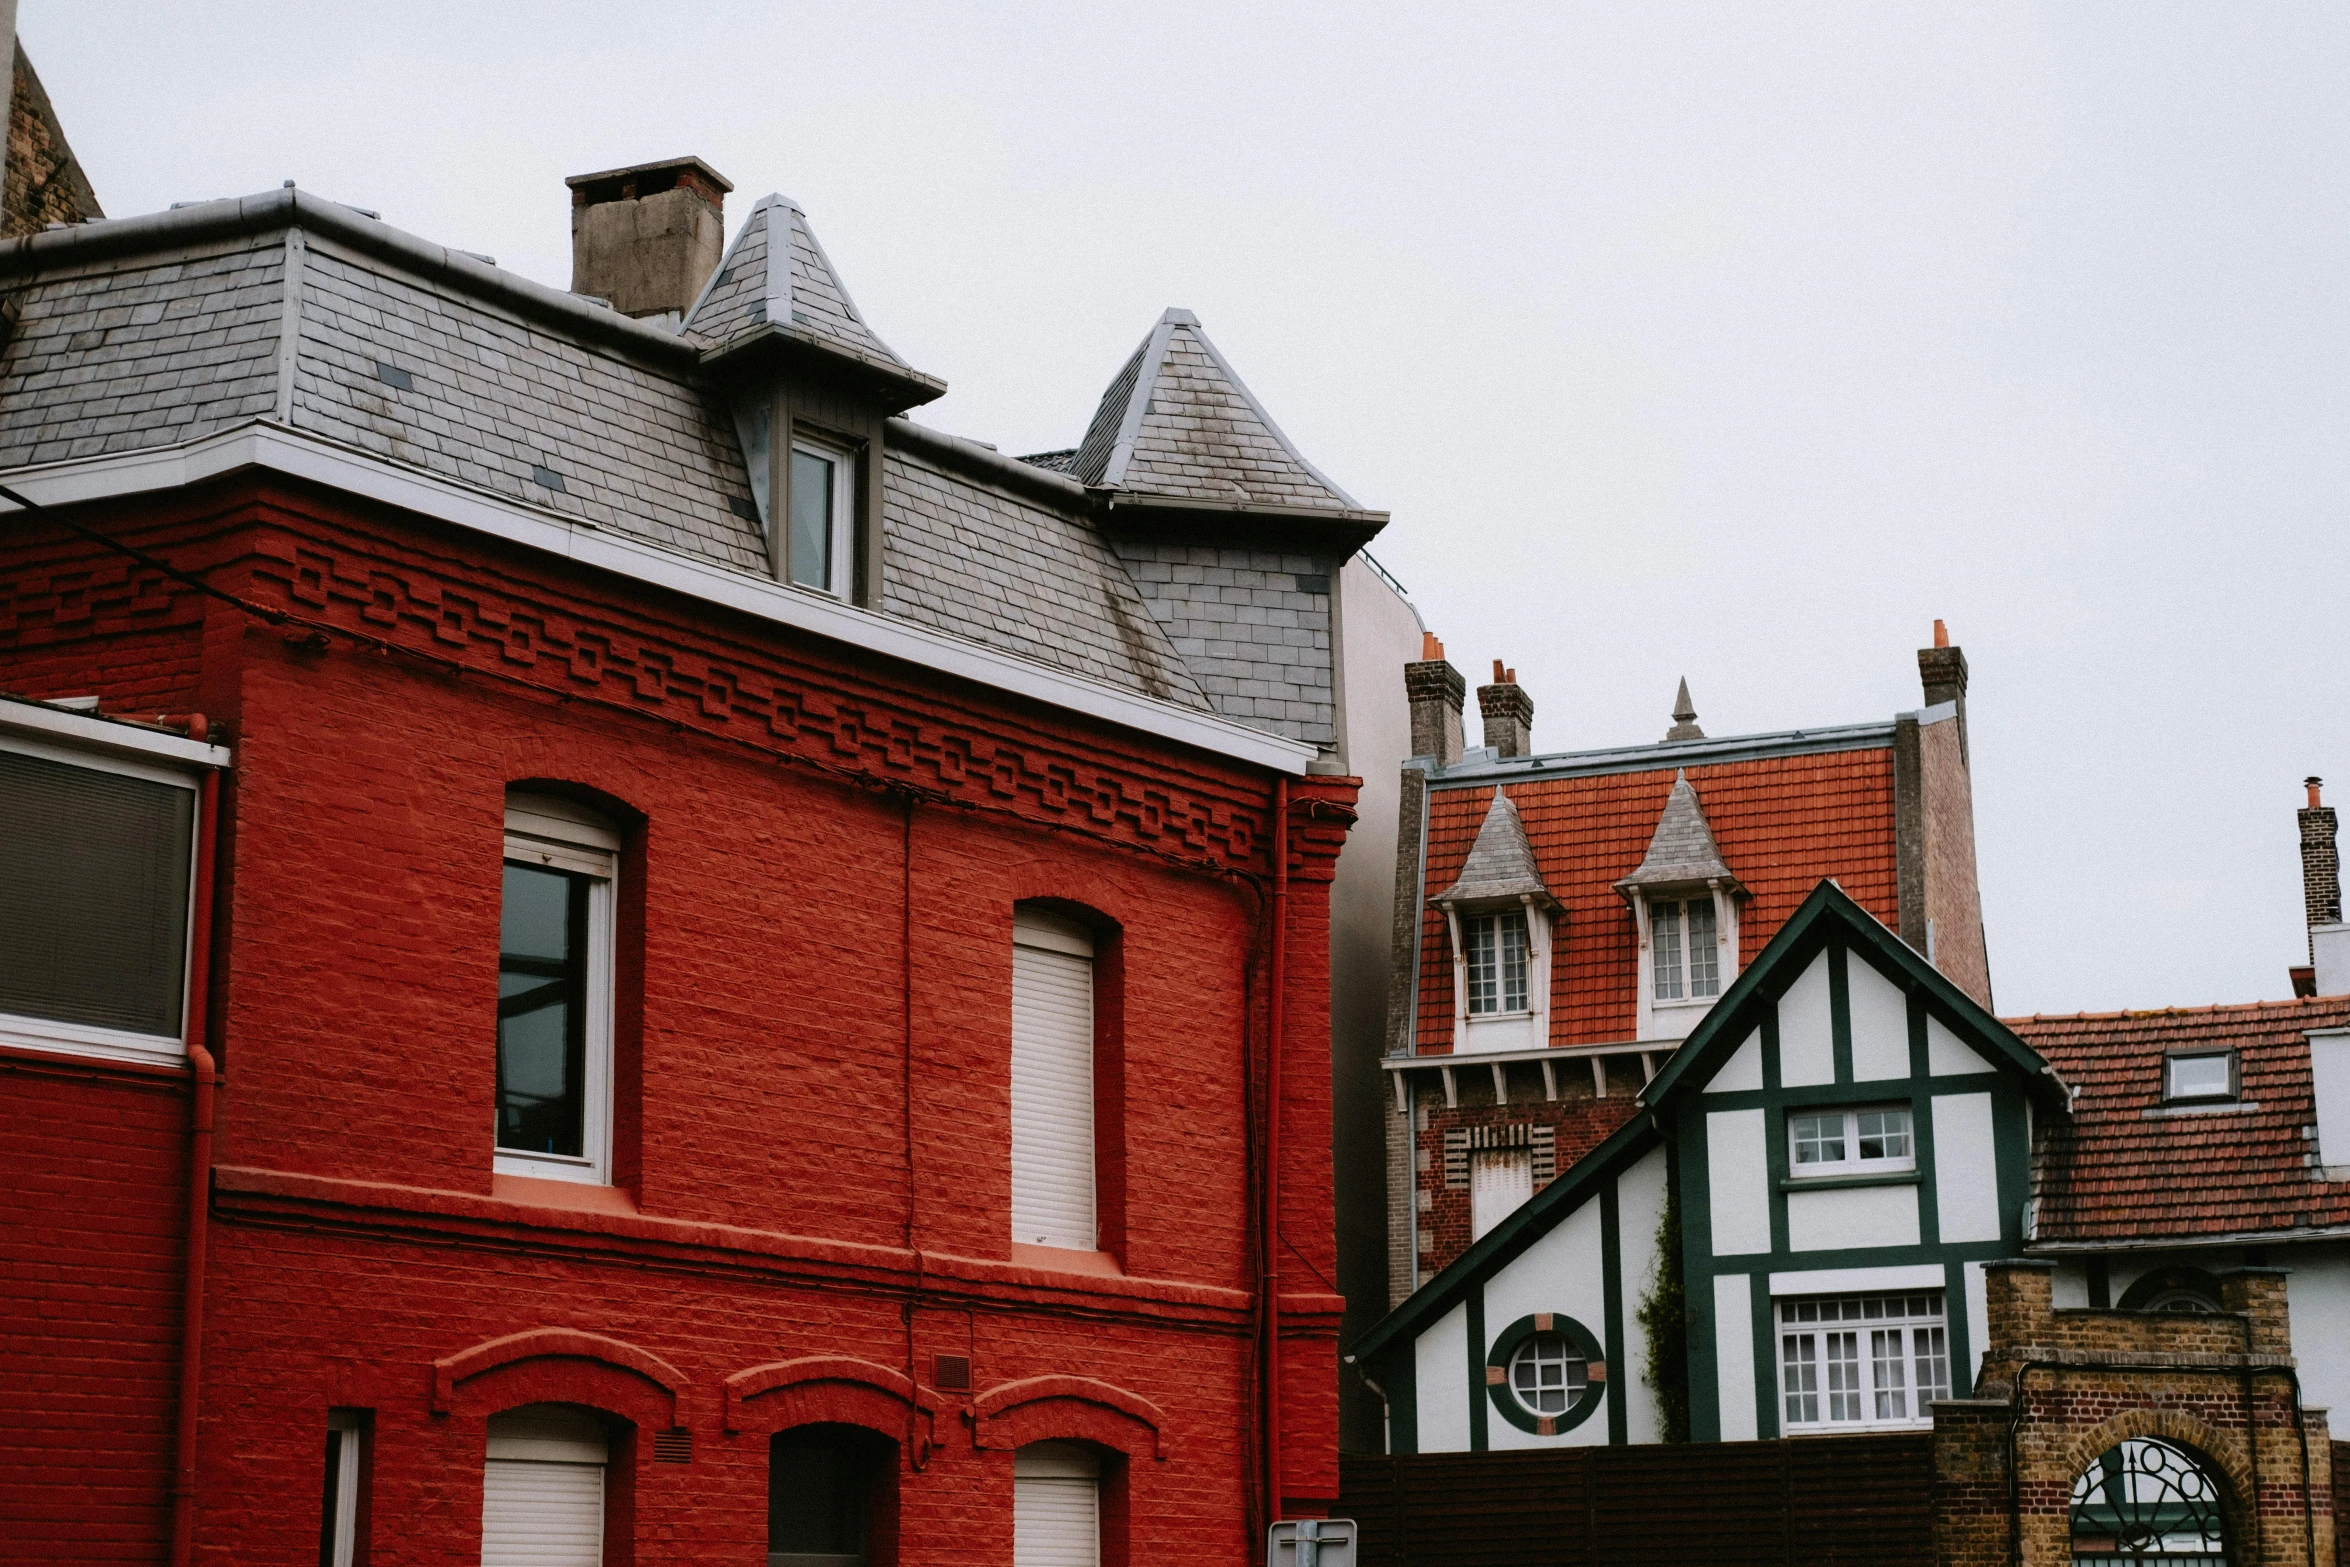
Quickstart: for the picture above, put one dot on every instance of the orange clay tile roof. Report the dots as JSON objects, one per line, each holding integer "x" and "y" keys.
{"x": 2117, "y": 1173}
{"x": 1783, "y": 822}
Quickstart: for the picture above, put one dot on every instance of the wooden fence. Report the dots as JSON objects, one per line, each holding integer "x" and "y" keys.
{"x": 1855, "y": 1501}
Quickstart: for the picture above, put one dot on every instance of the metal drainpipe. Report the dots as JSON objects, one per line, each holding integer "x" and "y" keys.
{"x": 201, "y": 1071}
{"x": 1270, "y": 1291}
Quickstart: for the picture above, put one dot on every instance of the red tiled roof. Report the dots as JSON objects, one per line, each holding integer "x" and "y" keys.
{"x": 1782, "y": 822}
{"x": 2118, "y": 1173}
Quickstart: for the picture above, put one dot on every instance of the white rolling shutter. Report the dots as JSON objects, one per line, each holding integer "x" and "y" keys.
{"x": 1498, "y": 1182}
{"x": 1052, "y": 1083}
{"x": 542, "y": 1489}
{"x": 1056, "y": 1506}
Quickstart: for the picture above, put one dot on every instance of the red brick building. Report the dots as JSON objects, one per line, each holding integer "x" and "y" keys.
{"x": 730, "y": 959}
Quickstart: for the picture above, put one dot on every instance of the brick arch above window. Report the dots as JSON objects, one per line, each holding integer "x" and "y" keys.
{"x": 563, "y": 1366}
{"x": 827, "y": 1390}
{"x": 1042, "y": 1409}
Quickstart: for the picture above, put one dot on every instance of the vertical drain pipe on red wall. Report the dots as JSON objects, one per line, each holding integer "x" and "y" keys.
{"x": 200, "y": 1074}
{"x": 1269, "y": 1294}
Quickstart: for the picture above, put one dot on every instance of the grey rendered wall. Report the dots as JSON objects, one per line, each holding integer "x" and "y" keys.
{"x": 1378, "y": 633}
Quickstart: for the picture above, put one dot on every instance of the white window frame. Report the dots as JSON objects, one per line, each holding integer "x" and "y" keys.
{"x": 544, "y": 831}
{"x": 2228, "y": 1090}
{"x": 1524, "y": 1029}
{"x": 1912, "y": 1326}
{"x": 1531, "y": 1353}
{"x": 1498, "y": 919}
{"x": 1852, "y": 1163}
{"x": 842, "y": 577}
{"x": 342, "y": 1429}
{"x": 1674, "y": 1019}
{"x": 113, "y": 1044}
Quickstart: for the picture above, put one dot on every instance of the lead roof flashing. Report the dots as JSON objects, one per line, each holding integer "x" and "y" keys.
{"x": 1655, "y": 758}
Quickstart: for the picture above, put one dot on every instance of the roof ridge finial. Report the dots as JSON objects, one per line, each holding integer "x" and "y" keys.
{"x": 1684, "y": 717}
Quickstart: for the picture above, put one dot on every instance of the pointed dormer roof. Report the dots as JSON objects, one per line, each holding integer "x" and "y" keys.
{"x": 1500, "y": 867}
{"x": 1682, "y": 852}
{"x": 1179, "y": 429}
{"x": 776, "y": 282}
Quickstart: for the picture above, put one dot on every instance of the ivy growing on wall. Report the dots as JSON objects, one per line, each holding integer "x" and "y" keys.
{"x": 1664, "y": 1319}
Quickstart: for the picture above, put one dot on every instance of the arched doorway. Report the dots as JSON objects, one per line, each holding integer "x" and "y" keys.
{"x": 2148, "y": 1503}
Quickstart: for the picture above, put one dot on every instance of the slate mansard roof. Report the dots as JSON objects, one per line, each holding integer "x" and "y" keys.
{"x": 295, "y": 313}
{"x": 2125, "y": 1168}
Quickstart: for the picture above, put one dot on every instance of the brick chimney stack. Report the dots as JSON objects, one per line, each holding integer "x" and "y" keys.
{"x": 647, "y": 237}
{"x": 1436, "y": 692}
{"x": 2321, "y": 875}
{"x": 1508, "y": 712}
{"x": 1942, "y": 670}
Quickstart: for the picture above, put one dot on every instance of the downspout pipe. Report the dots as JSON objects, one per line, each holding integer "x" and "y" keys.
{"x": 1269, "y": 1296}
{"x": 201, "y": 1074}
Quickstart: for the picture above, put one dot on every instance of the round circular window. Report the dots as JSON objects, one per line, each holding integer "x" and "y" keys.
{"x": 1548, "y": 1374}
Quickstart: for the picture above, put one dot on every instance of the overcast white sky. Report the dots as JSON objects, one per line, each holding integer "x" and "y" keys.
{"x": 1730, "y": 341}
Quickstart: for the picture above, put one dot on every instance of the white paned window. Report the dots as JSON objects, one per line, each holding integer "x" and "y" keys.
{"x": 1499, "y": 1180}
{"x": 1862, "y": 1360}
{"x": 820, "y": 546}
{"x": 97, "y": 870}
{"x": 1872, "y": 1141}
{"x": 2206, "y": 1076}
{"x": 1056, "y": 1506}
{"x": 542, "y": 1488}
{"x": 1685, "y": 952}
{"x": 554, "y": 1084}
{"x": 1052, "y": 1083}
{"x": 1497, "y": 964}
{"x": 1547, "y": 1374}
{"x": 338, "y": 1535}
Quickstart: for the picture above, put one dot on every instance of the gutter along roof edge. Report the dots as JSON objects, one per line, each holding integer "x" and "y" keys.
{"x": 270, "y": 446}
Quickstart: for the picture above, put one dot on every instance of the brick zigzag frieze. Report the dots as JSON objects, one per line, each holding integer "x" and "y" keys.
{"x": 488, "y": 622}
{"x": 812, "y": 715}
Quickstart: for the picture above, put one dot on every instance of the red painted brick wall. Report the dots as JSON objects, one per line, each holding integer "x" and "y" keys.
{"x": 829, "y": 852}
{"x": 90, "y": 1258}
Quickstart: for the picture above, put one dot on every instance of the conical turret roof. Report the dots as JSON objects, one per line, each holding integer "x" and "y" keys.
{"x": 1682, "y": 852}
{"x": 777, "y": 275}
{"x": 1178, "y": 424}
{"x": 1500, "y": 866}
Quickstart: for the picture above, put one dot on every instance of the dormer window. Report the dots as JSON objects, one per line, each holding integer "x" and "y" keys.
{"x": 1497, "y": 963}
{"x": 1501, "y": 922}
{"x": 823, "y": 509}
{"x": 1685, "y": 949}
{"x": 1684, "y": 903}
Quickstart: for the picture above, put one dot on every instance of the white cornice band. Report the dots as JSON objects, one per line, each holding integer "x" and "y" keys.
{"x": 305, "y": 456}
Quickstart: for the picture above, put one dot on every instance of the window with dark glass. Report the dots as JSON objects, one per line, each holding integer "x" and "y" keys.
{"x": 813, "y": 486}
{"x": 554, "y": 1058}
{"x": 542, "y": 1011}
{"x": 95, "y": 867}
{"x": 828, "y": 1496}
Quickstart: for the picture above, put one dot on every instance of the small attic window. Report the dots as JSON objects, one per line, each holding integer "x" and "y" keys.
{"x": 1685, "y": 947}
{"x": 2202, "y": 1075}
{"x": 1497, "y": 964}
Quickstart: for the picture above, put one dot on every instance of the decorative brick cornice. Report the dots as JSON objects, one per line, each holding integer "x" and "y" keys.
{"x": 491, "y": 614}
